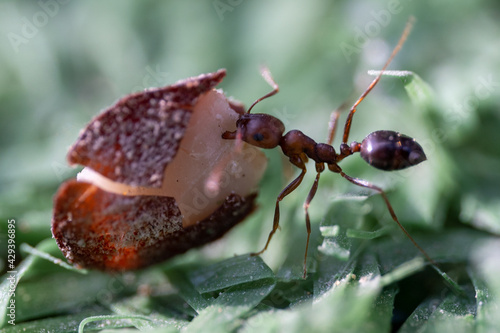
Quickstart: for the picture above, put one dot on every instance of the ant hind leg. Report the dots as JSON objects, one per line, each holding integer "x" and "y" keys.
{"x": 366, "y": 184}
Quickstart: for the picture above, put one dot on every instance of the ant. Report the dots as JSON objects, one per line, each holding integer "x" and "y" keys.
{"x": 385, "y": 150}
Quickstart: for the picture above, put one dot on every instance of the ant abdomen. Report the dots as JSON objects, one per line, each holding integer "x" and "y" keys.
{"x": 390, "y": 150}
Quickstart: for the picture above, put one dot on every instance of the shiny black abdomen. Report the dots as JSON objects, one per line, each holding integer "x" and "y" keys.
{"x": 389, "y": 150}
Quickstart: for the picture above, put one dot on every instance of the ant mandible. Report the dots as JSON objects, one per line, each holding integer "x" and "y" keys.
{"x": 385, "y": 150}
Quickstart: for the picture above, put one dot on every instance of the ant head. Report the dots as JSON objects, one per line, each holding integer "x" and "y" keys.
{"x": 389, "y": 150}
{"x": 260, "y": 130}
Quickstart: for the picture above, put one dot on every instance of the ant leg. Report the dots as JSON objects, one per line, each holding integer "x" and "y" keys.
{"x": 334, "y": 117}
{"x": 310, "y": 196}
{"x": 286, "y": 191}
{"x": 401, "y": 41}
{"x": 366, "y": 184}
{"x": 266, "y": 74}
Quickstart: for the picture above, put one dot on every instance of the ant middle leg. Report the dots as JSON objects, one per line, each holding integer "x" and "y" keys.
{"x": 276, "y": 222}
{"x": 366, "y": 184}
{"x": 310, "y": 196}
{"x": 332, "y": 124}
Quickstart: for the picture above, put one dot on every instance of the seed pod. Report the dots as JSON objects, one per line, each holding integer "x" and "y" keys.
{"x": 158, "y": 178}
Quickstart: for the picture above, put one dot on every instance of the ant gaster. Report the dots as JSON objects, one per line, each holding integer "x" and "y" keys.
{"x": 385, "y": 150}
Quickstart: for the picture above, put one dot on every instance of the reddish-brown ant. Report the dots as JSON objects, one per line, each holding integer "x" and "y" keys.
{"x": 385, "y": 150}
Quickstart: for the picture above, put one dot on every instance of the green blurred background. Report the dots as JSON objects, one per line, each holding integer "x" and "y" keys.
{"x": 61, "y": 62}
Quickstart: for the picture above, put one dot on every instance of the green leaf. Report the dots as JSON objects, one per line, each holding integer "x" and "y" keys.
{"x": 486, "y": 258}
{"x": 234, "y": 302}
{"x": 406, "y": 269}
{"x": 8, "y": 290}
{"x": 229, "y": 273}
{"x": 60, "y": 324}
{"x": 44, "y": 255}
{"x": 242, "y": 282}
{"x": 420, "y": 93}
{"x": 482, "y": 213}
{"x": 451, "y": 314}
{"x": 35, "y": 298}
{"x": 9, "y": 286}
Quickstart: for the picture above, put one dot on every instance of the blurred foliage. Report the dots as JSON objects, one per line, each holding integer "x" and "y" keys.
{"x": 63, "y": 61}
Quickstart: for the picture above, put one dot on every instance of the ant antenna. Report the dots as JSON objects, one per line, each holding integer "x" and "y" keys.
{"x": 237, "y": 135}
{"x": 404, "y": 36}
{"x": 266, "y": 74}
{"x": 213, "y": 180}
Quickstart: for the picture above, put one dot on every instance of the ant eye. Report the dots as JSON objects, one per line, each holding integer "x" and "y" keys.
{"x": 258, "y": 137}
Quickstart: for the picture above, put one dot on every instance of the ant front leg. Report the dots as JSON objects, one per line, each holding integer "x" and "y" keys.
{"x": 366, "y": 184}
{"x": 286, "y": 191}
